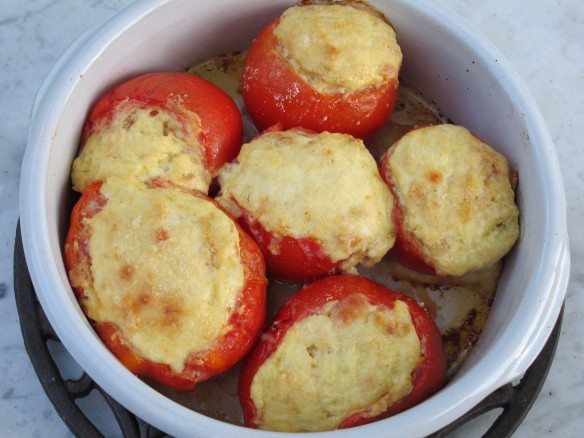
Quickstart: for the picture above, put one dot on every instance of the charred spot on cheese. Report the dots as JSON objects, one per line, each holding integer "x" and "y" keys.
{"x": 456, "y": 196}
{"x": 166, "y": 269}
{"x": 321, "y": 186}
{"x": 142, "y": 144}
{"x": 324, "y": 42}
{"x": 349, "y": 357}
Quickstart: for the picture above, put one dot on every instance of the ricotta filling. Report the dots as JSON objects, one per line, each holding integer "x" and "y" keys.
{"x": 321, "y": 186}
{"x": 142, "y": 144}
{"x": 338, "y": 48}
{"x": 349, "y": 358}
{"x": 456, "y": 195}
{"x": 166, "y": 270}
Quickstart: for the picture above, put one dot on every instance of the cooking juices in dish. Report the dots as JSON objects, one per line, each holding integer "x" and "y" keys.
{"x": 315, "y": 203}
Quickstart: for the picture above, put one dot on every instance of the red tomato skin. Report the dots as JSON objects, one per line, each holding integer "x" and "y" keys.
{"x": 427, "y": 378}
{"x": 245, "y": 323}
{"x": 296, "y": 260}
{"x": 274, "y": 93}
{"x": 407, "y": 249}
{"x": 221, "y": 125}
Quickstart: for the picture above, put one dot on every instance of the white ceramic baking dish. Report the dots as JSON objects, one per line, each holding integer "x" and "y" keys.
{"x": 444, "y": 57}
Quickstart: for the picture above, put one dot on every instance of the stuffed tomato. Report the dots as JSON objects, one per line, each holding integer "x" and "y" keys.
{"x": 170, "y": 282}
{"x": 315, "y": 203}
{"x": 455, "y": 206}
{"x": 169, "y": 126}
{"x": 323, "y": 67}
{"x": 342, "y": 352}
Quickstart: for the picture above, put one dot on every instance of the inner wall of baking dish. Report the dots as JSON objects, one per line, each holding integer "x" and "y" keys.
{"x": 180, "y": 33}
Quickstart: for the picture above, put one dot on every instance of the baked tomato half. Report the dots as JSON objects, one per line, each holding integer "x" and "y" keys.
{"x": 342, "y": 352}
{"x": 169, "y": 281}
{"x": 314, "y": 202}
{"x": 323, "y": 67}
{"x": 167, "y": 125}
{"x": 455, "y": 208}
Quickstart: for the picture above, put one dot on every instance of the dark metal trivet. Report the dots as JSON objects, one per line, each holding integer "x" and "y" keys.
{"x": 515, "y": 401}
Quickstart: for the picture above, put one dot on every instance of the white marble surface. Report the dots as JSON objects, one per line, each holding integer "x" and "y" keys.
{"x": 543, "y": 40}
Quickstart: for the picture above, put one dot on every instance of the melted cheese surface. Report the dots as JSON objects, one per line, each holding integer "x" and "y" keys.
{"x": 166, "y": 270}
{"x": 321, "y": 186}
{"x": 349, "y": 357}
{"x": 456, "y": 195}
{"x": 338, "y": 48}
{"x": 142, "y": 144}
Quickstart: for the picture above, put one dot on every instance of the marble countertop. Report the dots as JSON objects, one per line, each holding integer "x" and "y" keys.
{"x": 542, "y": 40}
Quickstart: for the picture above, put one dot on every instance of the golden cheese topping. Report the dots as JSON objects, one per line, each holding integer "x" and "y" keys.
{"x": 349, "y": 357}
{"x": 338, "y": 48}
{"x": 141, "y": 144}
{"x": 166, "y": 270}
{"x": 322, "y": 186}
{"x": 456, "y": 195}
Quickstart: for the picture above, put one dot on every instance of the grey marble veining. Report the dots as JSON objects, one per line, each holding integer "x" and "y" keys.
{"x": 542, "y": 40}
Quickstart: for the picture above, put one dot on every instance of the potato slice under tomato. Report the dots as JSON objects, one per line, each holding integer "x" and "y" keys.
{"x": 323, "y": 67}
{"x": 342, "y": 352}
{"x": 315, "y": 203}
{"x": 455, "y": 206}
{"x": 170, "y": 282}
{"x": 170, "y": 126}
